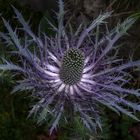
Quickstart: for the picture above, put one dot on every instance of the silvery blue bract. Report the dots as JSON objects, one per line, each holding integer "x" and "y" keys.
{"x": 72, "y": 70}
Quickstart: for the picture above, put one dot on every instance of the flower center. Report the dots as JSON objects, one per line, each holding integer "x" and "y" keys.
{"x": 72, "y": 67}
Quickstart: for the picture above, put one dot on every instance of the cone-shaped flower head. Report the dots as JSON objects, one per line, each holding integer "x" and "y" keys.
{"x": 72, "y": 67}
{"x": 78, "y": 70}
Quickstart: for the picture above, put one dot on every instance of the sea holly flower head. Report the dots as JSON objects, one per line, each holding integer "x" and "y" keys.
{"x": 78, "y": 70}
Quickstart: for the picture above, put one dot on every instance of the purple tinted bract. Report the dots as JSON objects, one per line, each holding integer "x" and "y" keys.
{"x": 103, "y": 77}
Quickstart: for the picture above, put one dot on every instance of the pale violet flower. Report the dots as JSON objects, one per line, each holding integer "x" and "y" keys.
{"x": 78, "y": 71}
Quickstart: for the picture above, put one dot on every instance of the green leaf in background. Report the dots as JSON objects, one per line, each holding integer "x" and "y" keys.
{"x": 44, "y": 25}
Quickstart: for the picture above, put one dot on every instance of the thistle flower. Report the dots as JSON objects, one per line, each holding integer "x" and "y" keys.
{"x": 75, "y": 71}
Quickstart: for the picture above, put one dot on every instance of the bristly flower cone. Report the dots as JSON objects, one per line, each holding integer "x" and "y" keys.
{"x": 74, "y": 69}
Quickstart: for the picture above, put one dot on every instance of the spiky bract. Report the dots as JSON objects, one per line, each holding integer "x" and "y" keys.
{"x": 72, "y": 70}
